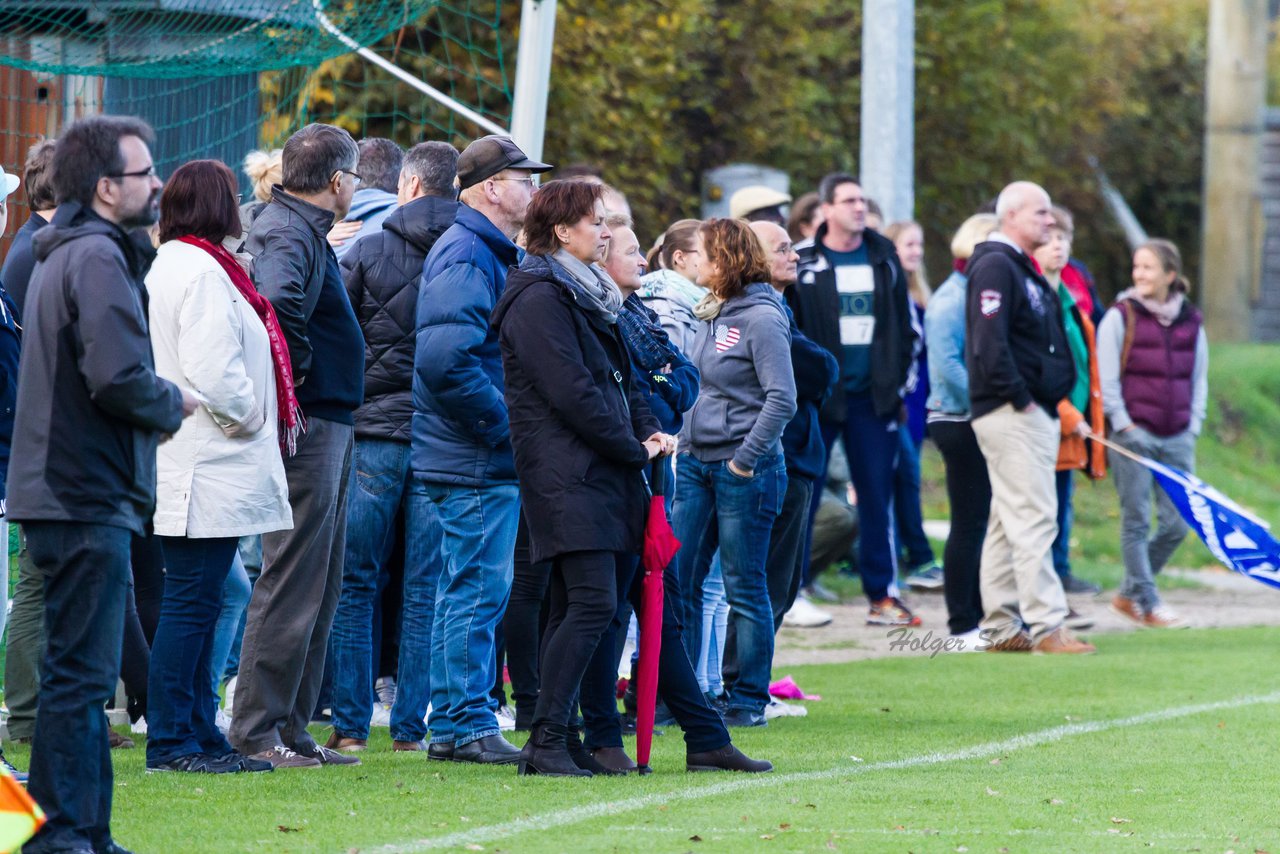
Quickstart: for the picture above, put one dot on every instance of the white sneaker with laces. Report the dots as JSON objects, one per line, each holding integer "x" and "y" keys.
{"x": 506, "y": 718}
{"x": 139, "y": 727}
{"x": 805, "y": 615}
{"x": 970, "y": 641}
{"x": 778, "y": 709}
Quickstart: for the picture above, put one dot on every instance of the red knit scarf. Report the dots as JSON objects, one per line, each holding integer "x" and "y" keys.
{"x": 292, "y": 422}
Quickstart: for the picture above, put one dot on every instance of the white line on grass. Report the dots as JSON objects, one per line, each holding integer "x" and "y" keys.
{"x": 587, "y": 812}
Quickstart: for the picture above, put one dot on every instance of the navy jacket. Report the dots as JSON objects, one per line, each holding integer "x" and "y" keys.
{"x": 670, "y": 395}
{"x": 460, "y": 431}
{"x": 295, "y": 268}
{"x": 817, "y": 374}
{"x": 16, "y": 272}
{"x": 578, "y": 419}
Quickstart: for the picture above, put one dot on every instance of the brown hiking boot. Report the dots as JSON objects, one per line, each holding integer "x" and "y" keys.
{"x": 409, "y": 746}
{"x": 1060, "y": 641}
{"x": 1129, "y": 609}
{"x": 344, "y": 744}
{"x": 1021, "y": 642}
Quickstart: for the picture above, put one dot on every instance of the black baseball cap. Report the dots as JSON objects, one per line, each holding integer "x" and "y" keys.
{"x": 489, "y": 155}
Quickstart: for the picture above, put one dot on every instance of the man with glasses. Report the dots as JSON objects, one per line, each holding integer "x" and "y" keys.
{"x": 90, "y": 413}
{"x": 461, "y": 444}
{"x": 286, "y": 634}
{"x": 852, "y": 299}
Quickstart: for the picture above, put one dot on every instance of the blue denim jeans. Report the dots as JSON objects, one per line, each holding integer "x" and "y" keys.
{"x": 235, "y": 600}
{"x": 716, "y": 509}
{"x": 908, "y": 517}
{"x": 382, "y": 483}
{"x": 872, "y": 446}
{"x": 86, "y": 570}
{"x": 1066, "y": 515}
{"x": 478, "y": 540}
{"x": 250, "y": 554}
{"x": 715, "y": 624}
{"x": 181, "y": 701}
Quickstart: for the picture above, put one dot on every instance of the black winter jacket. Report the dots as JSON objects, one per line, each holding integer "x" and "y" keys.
{"x": 816, "y": 305}
{"x": 578, "y": 417}
{"x": 91, "y": 408}
{"x": 382, "y": 273}
{"x": 1016, "y": 346}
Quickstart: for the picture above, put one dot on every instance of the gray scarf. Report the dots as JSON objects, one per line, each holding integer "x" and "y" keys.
{"x": 596, "y": 292}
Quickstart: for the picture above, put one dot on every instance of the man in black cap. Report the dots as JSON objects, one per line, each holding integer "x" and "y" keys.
{"x": 461, "y": 445}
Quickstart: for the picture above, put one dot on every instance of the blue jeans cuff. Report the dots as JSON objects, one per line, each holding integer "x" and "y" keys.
{"x": 476, "y": 736}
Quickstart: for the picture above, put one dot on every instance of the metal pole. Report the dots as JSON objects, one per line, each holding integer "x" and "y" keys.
{"x": 425, "y": 88}
{"x": 533, "y": 75}
{"x": 887, "y": 151}
{"x": 1235, "y": 99}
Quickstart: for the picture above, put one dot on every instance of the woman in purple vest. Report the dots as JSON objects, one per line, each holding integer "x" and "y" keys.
{"x": 1154, "y": 364}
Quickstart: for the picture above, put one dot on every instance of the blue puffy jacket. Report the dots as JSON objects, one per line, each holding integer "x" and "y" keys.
{"x": 460, "y": 430}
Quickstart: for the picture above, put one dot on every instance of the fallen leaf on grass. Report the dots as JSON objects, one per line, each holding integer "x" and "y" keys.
{"x": 695, "y": 838}
{"x": 463, "y": 818}
{"x": 784, "y": 826}
{"x": 992, "y": 792}
{"x": 474, "y": 847}
{"x": 284, "y": 828}
{"x": 857, "y": 758}
{"x": 1054, "y": 802}
{"x": 884, "y": 709}
{"x": 995, "y": 761}
{"x": 812, "y": 806}
{"x": 766, "y": 836}
{"x": 1117, "y": 820}
{"x": 962, "y": 848}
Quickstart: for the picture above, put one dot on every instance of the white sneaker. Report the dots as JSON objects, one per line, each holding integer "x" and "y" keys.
{"x": 385, "y": 689}
{"x": 805, "y": 615}
{"x": 970, "y": 641}
{"x": 778, "y": 709}
{"x": 222, "y": 721}
{"x": 229, "y": 699}
{"x": 506, "y": 718}
{"x": 381, "y": 715}
{"x": 139, "y": 727}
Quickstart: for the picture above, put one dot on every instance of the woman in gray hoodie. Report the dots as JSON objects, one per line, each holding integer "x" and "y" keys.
{"x": 730, "y": 474}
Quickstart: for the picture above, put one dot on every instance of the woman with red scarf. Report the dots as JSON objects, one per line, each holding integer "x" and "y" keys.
{"x": 221, "y": 476}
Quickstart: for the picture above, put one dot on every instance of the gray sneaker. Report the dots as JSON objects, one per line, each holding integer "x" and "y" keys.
{"x": 326, "y": 756}
{"x": 282, "y": 757}
{"x": 927, "y": 577}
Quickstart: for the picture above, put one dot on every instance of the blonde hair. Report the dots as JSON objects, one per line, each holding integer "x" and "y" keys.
{"x": 917, "y": 283}
{"x": 264, "y": 169}
{"x": 971, "y": 232}
{"x": 612, "y": 220}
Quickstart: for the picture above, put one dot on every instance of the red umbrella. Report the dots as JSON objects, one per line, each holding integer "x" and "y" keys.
{"x": 660, "y": 546}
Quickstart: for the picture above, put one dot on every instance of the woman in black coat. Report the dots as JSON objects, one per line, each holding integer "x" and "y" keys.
{"x": 582, "y": 435}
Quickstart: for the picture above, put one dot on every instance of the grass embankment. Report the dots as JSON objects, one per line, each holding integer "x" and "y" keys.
{"x": 1194, "y": 781}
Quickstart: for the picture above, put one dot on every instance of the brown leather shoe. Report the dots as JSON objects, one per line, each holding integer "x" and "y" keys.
{"x": 409, "y": 746}
{"x": 1060, "y": 641}
{"x": 1129, "y": 609}
{"x": 615, "y": 759}
{"x": 344, "y": 744}
{"x": 1021, "y": 642}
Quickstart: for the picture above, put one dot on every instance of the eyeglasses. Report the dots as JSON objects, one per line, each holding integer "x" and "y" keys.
{"x": 149, "y": 172}
{"x": 356, "y": 179}
{"x": 529, "y": 181}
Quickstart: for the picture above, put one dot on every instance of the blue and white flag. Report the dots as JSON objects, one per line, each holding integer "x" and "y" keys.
{"x": 1236, "y": 537}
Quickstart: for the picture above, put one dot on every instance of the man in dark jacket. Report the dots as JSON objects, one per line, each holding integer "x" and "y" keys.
{"x": 462, "y": 446}
{"x": 286, "y": 634}
{"x": 381, "y": 273}
{"x": 1020, "y": 366}
{"x": 37, "y": 182}
{"x": 90, "y": 413}
{"x": 852, "y": 299}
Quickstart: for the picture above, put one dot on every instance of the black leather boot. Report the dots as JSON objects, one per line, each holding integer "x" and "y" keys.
{"x": 583, "y": 758}
{"x": 545, "y": 753}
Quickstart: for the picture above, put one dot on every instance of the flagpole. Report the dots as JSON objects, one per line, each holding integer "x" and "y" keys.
{"x": 1119, "y": 449}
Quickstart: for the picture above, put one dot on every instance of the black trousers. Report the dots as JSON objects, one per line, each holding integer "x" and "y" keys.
{"x": 583, "y": 600}
{"x": 523, "y": 623}
{"x": 677, "y": 682}
{"x": 969, "y": 494}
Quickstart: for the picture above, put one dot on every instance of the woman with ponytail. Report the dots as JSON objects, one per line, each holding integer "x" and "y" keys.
{"x": 221, "y": 476}
{"x": 1153, "y": 359}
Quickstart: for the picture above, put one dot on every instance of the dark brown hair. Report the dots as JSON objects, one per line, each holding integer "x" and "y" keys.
{"x": 201, "y": 198}
{"x": 1166, "y": 252}
{"x": 736, "y": 252}
{"x": 557, "y": 203}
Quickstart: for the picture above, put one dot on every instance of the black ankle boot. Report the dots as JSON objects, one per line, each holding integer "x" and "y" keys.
{"x": 546, "y": 754}
{"x": 583, "y": 758}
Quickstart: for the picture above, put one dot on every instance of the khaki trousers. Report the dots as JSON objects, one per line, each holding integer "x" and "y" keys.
{"x": 1017, "y": 578}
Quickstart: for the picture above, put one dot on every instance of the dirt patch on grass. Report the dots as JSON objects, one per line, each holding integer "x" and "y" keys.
{"x": 1224, "y": 599}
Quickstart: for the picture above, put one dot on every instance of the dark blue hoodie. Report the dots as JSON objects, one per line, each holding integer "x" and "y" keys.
{"x": 816, "y": 374}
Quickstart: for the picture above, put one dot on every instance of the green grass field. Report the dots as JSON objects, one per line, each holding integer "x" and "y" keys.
{"x": 1114, "y": 752}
